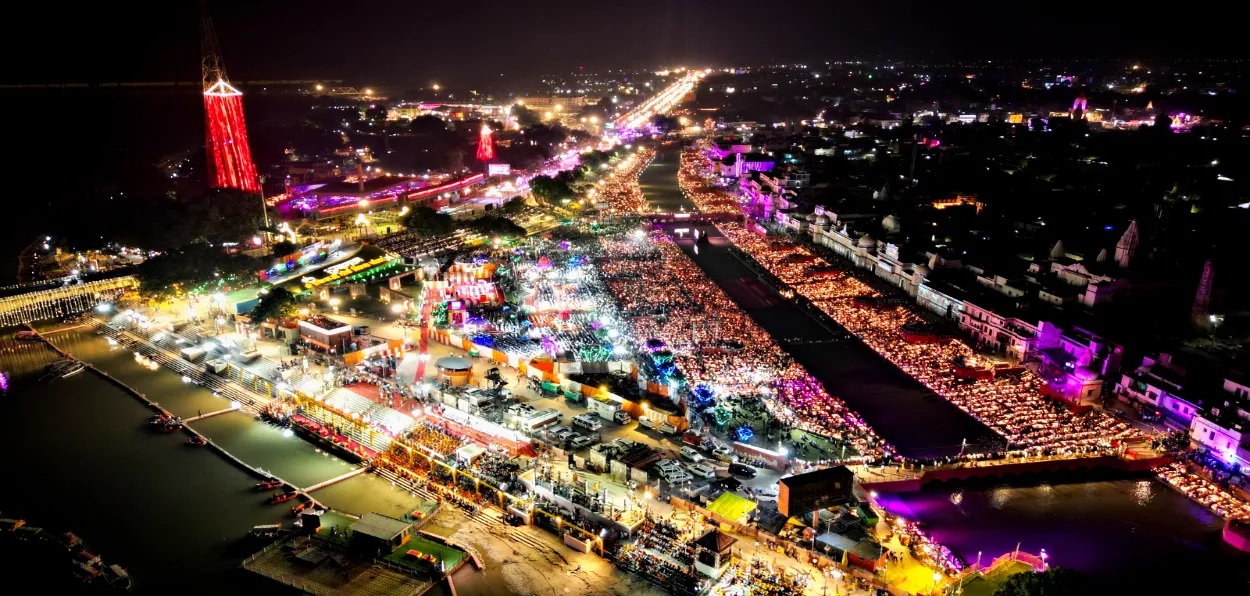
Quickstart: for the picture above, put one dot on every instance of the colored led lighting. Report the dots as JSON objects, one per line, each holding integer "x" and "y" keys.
{"x": 229, "y": 157}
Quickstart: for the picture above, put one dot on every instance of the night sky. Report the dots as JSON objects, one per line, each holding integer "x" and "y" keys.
{"x": 412, "y": 43}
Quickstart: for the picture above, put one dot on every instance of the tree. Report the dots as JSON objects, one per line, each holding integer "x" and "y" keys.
{"x": 427, "y": 125}
{"x": 427, "y": 222}
{"x": 525, "y": 116}
{"x": 196, "y": 269}
{"x": 496, "y": 226}
{"x": 276, "y": 304}
{"x": 1056, "y": 581}
{"x": 283, "y": 248}
{"x": 513, "y": 207}
{"x": 666, "y": 123}
{"x": 549, "y": 189}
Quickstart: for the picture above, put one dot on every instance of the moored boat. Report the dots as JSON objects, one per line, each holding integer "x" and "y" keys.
{"x": 281, "y": 497}
{"x": 117, "y": 577}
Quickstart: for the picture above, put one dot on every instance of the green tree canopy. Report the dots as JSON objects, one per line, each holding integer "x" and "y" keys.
{"x": 283, "y": 248}
{"x": 427, "y": 222}
{"x": 496, "y": 226}
{"x": 278, "y": 303}
{"x": 1056, "y": 581}
{"x": 196, "y": 269}
{"x": 525, "y": 116}
{"x": 549, "y": 189}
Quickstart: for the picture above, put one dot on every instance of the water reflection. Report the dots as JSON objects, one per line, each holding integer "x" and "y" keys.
{"x": 999, "y": 497}
{"x": 1117, "y": 531}
{"x": 1143, "y": 492}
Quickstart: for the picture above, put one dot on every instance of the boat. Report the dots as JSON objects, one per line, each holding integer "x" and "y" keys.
{"x": 88, "y": 558}
{"x": 169, "y": 425}
{"x": 117, "y": 577}
{"x": 74, "y": 369}
{"x": 58, "y": 369}
{"x": 266, "y": 531}
{"x": 282, "y": 497}
{"x": 27, "y": 334}
{"x": 71, "y": 541}
{"x": 296, "y": 510}
{"x": 270, "y": 484}
{"x": 197, "y": 441}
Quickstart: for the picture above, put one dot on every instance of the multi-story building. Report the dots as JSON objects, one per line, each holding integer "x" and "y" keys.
{"x": 1224, "y": 427}
{"x": 1160, "y": 385}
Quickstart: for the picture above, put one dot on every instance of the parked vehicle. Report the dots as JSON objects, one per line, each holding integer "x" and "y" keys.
{"x": 725, "y": 454}
{"x": 622, "y": 417}
{"x": 584, "y": 441}
{"x": 667, "y": 464}
{"x": 589, "y": 422}
{"x": 768, "y": 491}
{"x": 701, "y": 470}
{"x": 729, "y": 483}
{"x": 562, "y": 432}
{"x": 676, "y": 476}
{"x": 691, "y": 454}
{"x": 742, "y": 470}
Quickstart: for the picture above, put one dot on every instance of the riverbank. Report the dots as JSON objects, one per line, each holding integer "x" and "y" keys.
{"x": 154, "y": 406}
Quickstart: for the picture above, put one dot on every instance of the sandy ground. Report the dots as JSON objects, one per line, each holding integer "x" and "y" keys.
{"x": 529, "y": 560}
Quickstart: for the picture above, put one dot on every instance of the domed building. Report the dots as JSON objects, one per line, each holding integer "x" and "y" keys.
{"x": 866, "y": 241}
{"x": 891, "y": 224}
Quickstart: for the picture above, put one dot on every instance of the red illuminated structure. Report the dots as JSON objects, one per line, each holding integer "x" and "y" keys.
{"x": 229, "y": 156}
{"x": 485, "y": 144}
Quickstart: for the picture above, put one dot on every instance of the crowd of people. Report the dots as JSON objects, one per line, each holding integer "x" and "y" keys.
{"x": 436, "y": 439}
{"x": 1011, "y": 405}
{"x": 759, "y": 577}
{"x": 923, "y": 547}
{"x": 1202, "y": 490}
{"x": 416, "y": 244}
{"x": 663, "y": 553}
{"x": 692, "y": 178}
{"x": 671, "y": 300}
{"x": 620, "y": 189}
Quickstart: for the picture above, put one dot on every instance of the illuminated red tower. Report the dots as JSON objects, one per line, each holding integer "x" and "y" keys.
{"x": 485, "y": 144}
{"x": 229, "y": 156}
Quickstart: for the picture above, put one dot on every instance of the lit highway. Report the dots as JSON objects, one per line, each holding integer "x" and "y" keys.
{"x": 661, "y": 102}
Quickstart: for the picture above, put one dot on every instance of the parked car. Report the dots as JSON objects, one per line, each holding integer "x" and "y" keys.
{"x": 589, "y": 422}
{"x": 701, "y": 470}
{"x": 725, "y": 454}
{"x": 562, "y": 432}
{"x": 667, "y": 464}
{"x": 742, "y": 470}
{"x": 729, "y": 483}
{"x": 768, "y": 491}
{"x": 584, "y": 441}
{"x": 676, "y": 476}
{"x": 691, "y": 454}
{"x": 622, "y": 417}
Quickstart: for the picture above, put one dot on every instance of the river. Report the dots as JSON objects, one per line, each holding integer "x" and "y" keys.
{"x": 848, "y": 369}
{"x": 1129, "y": 534}
{"x": 82, "y": 459}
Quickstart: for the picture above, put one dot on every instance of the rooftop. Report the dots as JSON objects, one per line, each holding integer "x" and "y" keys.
{"x": 380, "y": 526}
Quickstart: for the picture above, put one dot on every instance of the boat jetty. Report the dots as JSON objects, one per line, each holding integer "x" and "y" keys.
{"x": 37, "y": 547}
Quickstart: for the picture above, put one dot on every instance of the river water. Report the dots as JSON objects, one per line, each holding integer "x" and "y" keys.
{"x": 79, "y": 457}
{"x": 1131, "y": 535}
